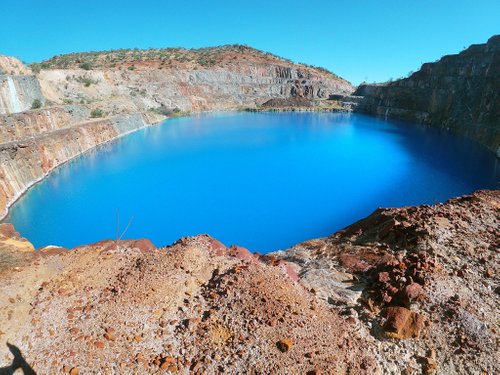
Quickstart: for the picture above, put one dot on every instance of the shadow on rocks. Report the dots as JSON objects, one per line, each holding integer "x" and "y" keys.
{"x": 17, "y": 363}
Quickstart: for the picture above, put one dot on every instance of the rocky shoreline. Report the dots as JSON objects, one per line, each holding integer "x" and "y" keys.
{"x": 407, "y": 290}
{"x": 459, "y": 93}
{"x": 25, "y": 164}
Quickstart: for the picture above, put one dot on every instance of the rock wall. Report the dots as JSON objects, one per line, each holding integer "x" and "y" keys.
{"x": 17, "y": 93}
{"x": 201, "y": 89}
{"x": 21, "y": 126}
{"x": 459, "y": 92}
{"x": 23, "y": 163}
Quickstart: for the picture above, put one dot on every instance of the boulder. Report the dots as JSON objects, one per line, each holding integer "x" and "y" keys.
{"x": 402, "y": 323}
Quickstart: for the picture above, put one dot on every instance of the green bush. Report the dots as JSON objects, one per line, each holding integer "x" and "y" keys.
{"x": 86, "y": 66}
{"x": 37, "y": 103}
{"x": 86, "y": 81}
{"x": 96, "y": 113}
{"x": 35, "y": 68}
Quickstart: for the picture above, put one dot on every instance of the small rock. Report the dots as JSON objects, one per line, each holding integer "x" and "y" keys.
{"x": 196, "y": 366}
{"x": 489, "y": 272}
{"x": 284, "y": 345}
{"x": 412, "y": 292}
{"x": 74, "y": 371}
{"x": 99, "y": 344}
{"x": 403, "y": 323}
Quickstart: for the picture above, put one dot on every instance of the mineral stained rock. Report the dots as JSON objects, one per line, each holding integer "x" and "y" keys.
{"x": 319, "y": 307}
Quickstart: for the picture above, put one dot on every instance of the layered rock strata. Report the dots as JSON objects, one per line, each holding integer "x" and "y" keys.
{"x": 18, "y": 93}
{"x": 23, "y": 163}
{"x": 460, "y": 93}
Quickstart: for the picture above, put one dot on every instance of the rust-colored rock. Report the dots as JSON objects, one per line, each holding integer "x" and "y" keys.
{"x": 99, "y": 344}
{"x": 241, "y": 309}
{"x": 241, "y": 253}
{"x": 144, "y": 245}
{"x": 402, "y": 323}
{"x": 284, "y": 345}
{"x": 413, "y": 292}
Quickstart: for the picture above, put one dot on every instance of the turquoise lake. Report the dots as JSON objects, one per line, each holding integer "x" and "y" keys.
{"x": 265, "y": 181}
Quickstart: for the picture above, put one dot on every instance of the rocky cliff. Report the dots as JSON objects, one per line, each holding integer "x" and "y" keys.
{"x": 18, "y": 93}
{"x": 459, "y": 92}
{"x": 411, "y": 290}
{"x": 221, "y": 78}
{"x": 19, "y": 88}
{"x": 23, "y": 163}
{"x": 127, "y": 90}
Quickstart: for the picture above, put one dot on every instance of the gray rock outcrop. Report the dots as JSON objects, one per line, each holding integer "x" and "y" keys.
{"x": 460, "y": 93}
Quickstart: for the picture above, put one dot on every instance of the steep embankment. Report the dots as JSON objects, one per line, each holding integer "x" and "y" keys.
{"x": 130, "y": 89}
{"x": 19, "y": 88}
{"x": 459, "y": 92}
{"x": 24, "y": 163}
{"x": 410, "y": 290}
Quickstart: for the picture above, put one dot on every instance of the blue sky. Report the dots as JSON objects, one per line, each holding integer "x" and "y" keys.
{"x": 357, "y": 39}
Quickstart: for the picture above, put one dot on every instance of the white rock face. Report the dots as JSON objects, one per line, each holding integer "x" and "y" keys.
{"x": 17, "y": 93}
{"x": 15, "y": 104}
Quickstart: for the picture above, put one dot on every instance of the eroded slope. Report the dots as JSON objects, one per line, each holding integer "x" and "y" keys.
{"x": 411, "y": 290}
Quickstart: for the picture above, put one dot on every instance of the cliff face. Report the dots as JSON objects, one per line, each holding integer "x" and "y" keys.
{"x": 26, "y": 125}
{"x": 238, "y": 78}
{"x": 459, "y": 92}
{"x": 17, "y": 93}
{"x": 23, "y": 163}
{"x": 18, "y": 86}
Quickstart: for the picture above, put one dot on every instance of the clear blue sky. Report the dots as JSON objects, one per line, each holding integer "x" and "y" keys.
{"x": 357, "y": 39}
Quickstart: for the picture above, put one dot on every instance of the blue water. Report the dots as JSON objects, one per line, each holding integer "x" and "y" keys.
{"x": 265, "y": 181}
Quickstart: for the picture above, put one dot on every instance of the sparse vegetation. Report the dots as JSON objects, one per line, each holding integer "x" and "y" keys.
{"x": 97, "y": 113}
{"x": 86, "y": 81}
{"x": 105, "y": 59}
{"x": 37, "y": 103}
{"x": 131, "y": 58}
{"x": 165, "y": 111}
{"x": 86, "y": 66}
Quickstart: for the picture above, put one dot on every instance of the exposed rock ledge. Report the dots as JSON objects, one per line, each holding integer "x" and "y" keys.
{"x": 410, "y": 290}
{"x": 23, "y": 163}
{"x": 459, "y": 93}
